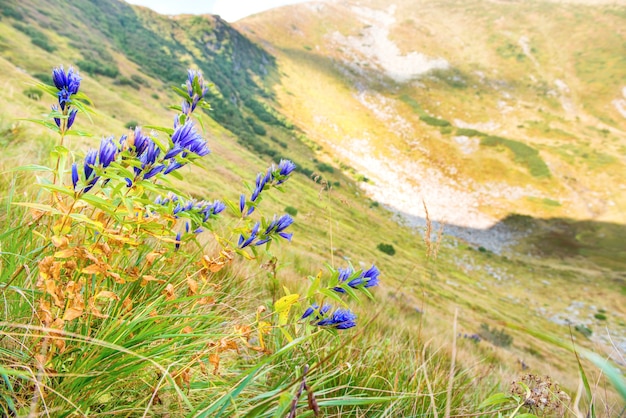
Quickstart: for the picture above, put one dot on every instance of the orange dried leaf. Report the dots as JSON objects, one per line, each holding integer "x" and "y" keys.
{"x": 207, "y": 300}
{"x": 116, "y": 277}
{"x": 147, "y": 278}
{"x": 55, "y": 292}
{"x": 60, "y": 242}
{"x": 187, "y": 330}
{"x": 214, "y": 359}
{"x": 93, "y": 309}
{"x": 153, "y": 256}
{"x": 193, "y": 286}
{"x": 45, "y": 313}
{"x": 169, "y": 292}
{"x": 183, "y": 378}
{"x": 72, "y": 313}
{"x": 127, "y": 304}
{"x": 66, "y": 253}
{"x": 243, "y": 330}
{"x": 107, "y": 295}
{"x": 93, "y": 269}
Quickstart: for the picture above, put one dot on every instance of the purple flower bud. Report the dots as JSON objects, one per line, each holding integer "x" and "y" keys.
{"x": 71, "y": 117}
{"x": 108, "y": 151}
{"x": 55, "y": 108}
{"x": 178, "y": 236}
{"x": 173, "y": 165}
{"x": 153, "y": 171}
{"x": 90, "y": 163}
{"x": 242, "y": 203}
{"x": 74, "y": 175}
{"x": 253, "y": 234}
{"x": 315, "y": 307}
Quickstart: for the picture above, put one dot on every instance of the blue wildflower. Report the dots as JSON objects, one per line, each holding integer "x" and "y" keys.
{"x": 108, "y": 151}
{"x": 367, "y": 278}
{"x": 370, "y": 276}
{"x": 244, "y": 242}
{"x": 71, "y": 117}
{"x": 140, "y": 141}
{"x": 285, "y": 168}
{"x": 178, "y": 237}
{"x": 67, "y": 84}
{"x": 261, "y": 181}
{"x": 196, "y": 90}
{"x": 340, "y": 319}
{"x": 316, "y": 308}
{"x": 55, "y": 108}
{"x": 74, "y": 175}
{"x": 242, "y": 203}
{"x": 69, "y": 81}
{"x": 172, "y": 165}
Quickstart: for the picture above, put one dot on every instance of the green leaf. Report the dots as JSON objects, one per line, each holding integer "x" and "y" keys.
{"x": 313, "y": 287}
{"x": 31, "y": 167}
{"x": 168, "y": 131}
{"x": 495, "y": 399}
{"x": 39, "y": 207}
{"x": 50, "y": 125}
{"x": 59, "y": 189}
{"x": 97, "y": 202}
{"x": 86, "y": 219}
{"x": 614, "y": 375}
{"x": 76, "y": 132}
{"x": 332, "y": 295}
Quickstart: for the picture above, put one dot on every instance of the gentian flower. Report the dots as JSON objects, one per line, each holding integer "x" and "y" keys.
{"x": 243, "y": 242}
{"x": 285, "y": 168}
{"x": 367, "y": 278}
{"x": 67, "y": 84}
{"x": 70, "y": 117}
{"x": 108, "y": 151}
{"x": 74, "y": 175}
{"x": 340, "y": 319}
{"x": 55, "y": 108}
{"x": 178, "y": 236}
{"x": 316, "y": 308}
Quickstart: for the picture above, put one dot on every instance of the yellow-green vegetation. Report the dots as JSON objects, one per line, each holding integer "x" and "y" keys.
{"x": 153, "y": 324}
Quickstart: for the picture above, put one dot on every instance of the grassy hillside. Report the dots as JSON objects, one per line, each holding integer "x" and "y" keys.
{"x": 513, "y": 72}
{"x": 296, "y": 98}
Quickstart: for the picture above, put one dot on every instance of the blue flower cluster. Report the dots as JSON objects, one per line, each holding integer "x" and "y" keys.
{"x": 103, "y": 157}
{"x": 201, "y": 207}
{"x": 273, "y": 177}
{"x": 343, "y": 318}
{"x": 339, "y": 319}
{"x": 138, "y": 150}
{"x": 67, "y": 85}
{"x": 276, "y": 227}
{"x": 196, "y": 90}
{"x": 367, "y": 278}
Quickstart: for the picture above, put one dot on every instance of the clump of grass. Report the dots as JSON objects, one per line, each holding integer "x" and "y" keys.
{"x": 386, "y": 248}
{"x": 33, "y": 93}
{"x": 497, "y": 337}
{"x": 291, "y": 210}
{"x": 469, "y": 132}
{"x": 433, "y": 121}
{"x": 522, "y": 154}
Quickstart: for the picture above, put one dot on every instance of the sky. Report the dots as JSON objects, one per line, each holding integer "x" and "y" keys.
{"x": 229, "y": 10}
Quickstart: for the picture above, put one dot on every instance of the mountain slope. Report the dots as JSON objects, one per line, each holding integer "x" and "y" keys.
{"x": 481, "y": 109}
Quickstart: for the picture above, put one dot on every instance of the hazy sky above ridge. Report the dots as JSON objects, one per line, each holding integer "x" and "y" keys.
{"x": 229, "y": 10}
